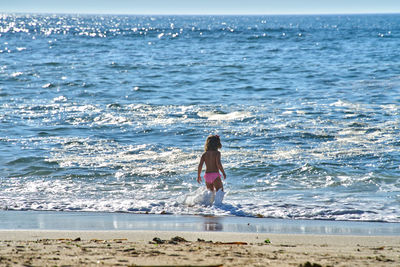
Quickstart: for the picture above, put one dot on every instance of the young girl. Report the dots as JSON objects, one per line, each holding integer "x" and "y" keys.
{"x": 212, "y": 158}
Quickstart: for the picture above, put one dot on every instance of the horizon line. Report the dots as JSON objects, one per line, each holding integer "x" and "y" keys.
{"x": 201, "y": 14}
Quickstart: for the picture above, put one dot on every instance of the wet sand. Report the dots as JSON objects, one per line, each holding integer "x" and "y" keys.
{"x": 161, "y": 248}
{"x": 59, "y": 220}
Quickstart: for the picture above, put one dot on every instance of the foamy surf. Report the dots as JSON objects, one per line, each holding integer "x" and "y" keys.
{"x": 219, "y": 197}
{"x": 204, "y": 197}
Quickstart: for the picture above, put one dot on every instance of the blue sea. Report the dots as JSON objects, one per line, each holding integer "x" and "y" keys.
{"x": 108, "y": 113}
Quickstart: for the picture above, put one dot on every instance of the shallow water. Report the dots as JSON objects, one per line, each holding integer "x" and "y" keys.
{"x": 110, "y": 113}
{"x": 99, "y": 221}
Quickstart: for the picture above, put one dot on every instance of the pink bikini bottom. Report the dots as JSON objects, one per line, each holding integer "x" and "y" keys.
{"x": 211, "y": 176}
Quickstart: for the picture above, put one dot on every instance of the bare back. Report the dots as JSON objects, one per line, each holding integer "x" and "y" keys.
{"x": 212, "y": 160}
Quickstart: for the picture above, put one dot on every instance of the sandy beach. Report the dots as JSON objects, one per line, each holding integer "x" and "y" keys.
{"x": 175, "y": 248}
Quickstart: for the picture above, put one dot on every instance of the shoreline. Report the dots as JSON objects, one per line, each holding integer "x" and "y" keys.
{"x": 99, "y": 221}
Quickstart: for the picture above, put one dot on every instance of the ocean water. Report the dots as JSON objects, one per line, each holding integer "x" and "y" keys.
{"x": 110, "y": 113}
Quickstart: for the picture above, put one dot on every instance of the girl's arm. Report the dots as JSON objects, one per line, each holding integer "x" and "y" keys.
{"x": 219, "y": 165}
{"x": 199, "y": 168}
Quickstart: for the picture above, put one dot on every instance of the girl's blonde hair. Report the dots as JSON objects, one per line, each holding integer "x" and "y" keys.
{"x": 212, "y": 143}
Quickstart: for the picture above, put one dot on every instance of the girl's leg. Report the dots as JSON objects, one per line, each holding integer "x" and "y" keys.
{"x": 210, "y": 186}
{"x": 217, "y": 184}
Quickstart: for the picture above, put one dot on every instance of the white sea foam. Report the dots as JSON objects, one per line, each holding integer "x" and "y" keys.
{"x": 201, "y": 202}
{"x": 60, "y": 98}
{"x": 16, "y": 74}
{"x": 201, "y": 196}
{"x": 236, "y": 115}
{"x": 219, "y": 197}
{"x": 132, "y": 159}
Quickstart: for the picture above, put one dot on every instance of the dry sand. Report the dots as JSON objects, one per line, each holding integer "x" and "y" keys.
{"x": 137, "y": 248}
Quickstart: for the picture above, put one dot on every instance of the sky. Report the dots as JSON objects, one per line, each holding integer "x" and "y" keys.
{"x": 229, "y": 7}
